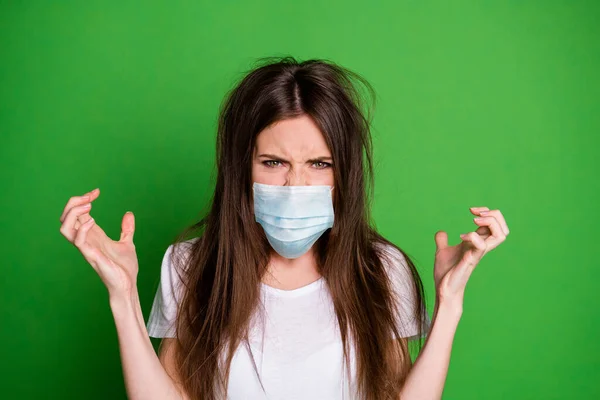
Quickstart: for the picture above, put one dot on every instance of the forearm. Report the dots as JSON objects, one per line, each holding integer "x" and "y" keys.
{"x": 427, "y": 376}
{"x": 145, "y": 377}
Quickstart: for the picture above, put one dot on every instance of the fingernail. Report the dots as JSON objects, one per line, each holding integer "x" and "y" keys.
{"x": 482, "y": 212}
{"x": 477, "y": 219}
{"x": 88, "y": 205}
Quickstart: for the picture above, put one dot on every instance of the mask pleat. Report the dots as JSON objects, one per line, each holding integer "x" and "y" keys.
{"x": 293, "y": 217}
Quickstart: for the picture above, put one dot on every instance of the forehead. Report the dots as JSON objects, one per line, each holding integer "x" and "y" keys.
{"x": 293, "y": 137}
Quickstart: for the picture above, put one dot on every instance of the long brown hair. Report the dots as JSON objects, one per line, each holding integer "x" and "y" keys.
{"x": 224, "y": 265}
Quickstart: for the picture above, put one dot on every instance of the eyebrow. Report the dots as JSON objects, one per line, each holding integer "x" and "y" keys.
{"x": 272, "y": 156}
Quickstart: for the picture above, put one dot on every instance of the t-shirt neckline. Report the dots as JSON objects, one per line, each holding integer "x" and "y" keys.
{"x": 294, "y": 292}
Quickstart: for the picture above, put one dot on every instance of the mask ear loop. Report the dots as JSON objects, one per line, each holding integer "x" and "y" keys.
{"x": 332, "y": 199}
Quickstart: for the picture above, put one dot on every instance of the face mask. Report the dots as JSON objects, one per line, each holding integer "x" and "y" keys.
{"x": 293, "y": 217}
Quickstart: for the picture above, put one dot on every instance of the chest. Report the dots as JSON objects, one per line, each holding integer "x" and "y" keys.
{"x": 295, "y": 344}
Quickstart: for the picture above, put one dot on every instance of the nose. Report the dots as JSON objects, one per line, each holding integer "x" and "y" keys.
{"x": 296, "y": 178}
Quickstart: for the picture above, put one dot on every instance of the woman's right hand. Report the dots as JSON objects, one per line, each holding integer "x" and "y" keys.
{"x": 115, "y": 261}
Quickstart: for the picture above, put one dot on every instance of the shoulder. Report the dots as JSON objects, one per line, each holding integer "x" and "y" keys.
{"x": 175, "y": 260}
{"x": 391, "y": 257}
{"x": 181, "y": 250}
{"x": 407, "y": 291}
{"x": 397, "y": 267}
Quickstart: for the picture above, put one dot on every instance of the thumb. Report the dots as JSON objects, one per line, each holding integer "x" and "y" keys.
{"x": 127, "y": 227}
{"x": 441, "y": 240}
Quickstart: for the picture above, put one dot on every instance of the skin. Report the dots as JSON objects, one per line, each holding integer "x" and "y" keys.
{"x": 290, "y": 152}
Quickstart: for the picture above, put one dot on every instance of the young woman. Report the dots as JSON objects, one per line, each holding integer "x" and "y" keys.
{"x": 286, "y": 291}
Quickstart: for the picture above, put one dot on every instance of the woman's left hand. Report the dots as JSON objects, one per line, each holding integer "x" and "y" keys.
{"x": 454, "y": 264}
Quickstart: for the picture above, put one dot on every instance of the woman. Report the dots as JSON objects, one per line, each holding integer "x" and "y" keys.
{"x": 287, "y": 291}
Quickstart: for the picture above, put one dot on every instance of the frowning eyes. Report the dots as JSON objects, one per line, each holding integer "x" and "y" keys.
{"x": 272, "y": 163}
{"x": 321, "y": 164}
{"x": 315, "y": 164}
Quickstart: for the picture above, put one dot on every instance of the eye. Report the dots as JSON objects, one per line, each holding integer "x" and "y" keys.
{"x": 271, "y": 163}
{"x": 321, "y": 164}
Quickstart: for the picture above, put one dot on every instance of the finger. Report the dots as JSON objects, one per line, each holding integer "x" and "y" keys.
{"x": 78, "y": 200}
{"x": 441, "y": 240}
{"x": 73, "y": 202}
{"x": 82, "y": 235}
{"x": 466, "y": 265}
{"x": 88, "y": 252}
{"x": 476, "y": 242}
{"x": 498, "y": 215}
{"x": 68, "y": 228}
{"x": 477, "y": 210}
{"x": 483, "y": 231}
{"x": 493, "y": 225}
{"x": 128, "y": 227}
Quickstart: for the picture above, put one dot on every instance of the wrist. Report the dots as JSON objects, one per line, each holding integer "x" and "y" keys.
{"x": 451, "y": 306}
{"x": 122, "y": 299}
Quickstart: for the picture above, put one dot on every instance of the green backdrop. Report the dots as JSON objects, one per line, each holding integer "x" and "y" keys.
{"x": 479, "y": 103}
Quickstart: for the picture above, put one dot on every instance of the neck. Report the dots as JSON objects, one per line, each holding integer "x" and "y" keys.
{"x": 286, "y": 274}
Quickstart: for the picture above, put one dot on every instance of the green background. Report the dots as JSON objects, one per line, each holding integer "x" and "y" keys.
{"x": 479, "y": 103}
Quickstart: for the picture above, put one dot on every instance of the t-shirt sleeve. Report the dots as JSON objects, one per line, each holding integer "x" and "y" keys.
{"x": 161, "y": 322}
{"x": 404, "y": 292}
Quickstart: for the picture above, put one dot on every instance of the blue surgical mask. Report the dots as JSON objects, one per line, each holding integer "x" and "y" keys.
{"x": 293, "y": 217}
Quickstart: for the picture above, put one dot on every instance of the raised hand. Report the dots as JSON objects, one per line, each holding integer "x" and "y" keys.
{"x": 454, "y": 264}
{"x": 115, "y": 261}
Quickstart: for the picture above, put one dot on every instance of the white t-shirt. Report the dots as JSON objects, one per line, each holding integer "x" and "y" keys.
{"x": 296, "y": 344}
